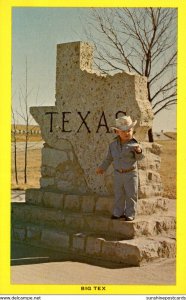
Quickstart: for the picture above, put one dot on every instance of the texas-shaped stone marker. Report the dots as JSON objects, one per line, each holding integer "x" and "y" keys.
{"x": 76, "y": 130}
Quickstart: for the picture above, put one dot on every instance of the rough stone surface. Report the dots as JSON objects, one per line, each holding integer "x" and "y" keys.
{"x": 53, "y": 200}
{"x": 90, "y": 203}
{"x": 130, "y": 252}
{"x": 77, "y": 129}
{"x": 46, "y": 182}
{"x": 149, "y": 237}
{"x": 121, "y": 253}
{"x": 34, "y": 196}
{"x": 19, "y": 233}
{"x": 104, "y": 204}
{"x": 94, "y": 246}
{"x": 33, "y": 233}
{"x": 78, "y": 242}
{"x": 72, "y": 202}
{"x": 52, "y": 157}
{"x": 90, "y": 222}
{"x": 56, "y": 239}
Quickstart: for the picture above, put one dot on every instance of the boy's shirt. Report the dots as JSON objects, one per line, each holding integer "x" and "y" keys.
{"x": 122, "y": 155}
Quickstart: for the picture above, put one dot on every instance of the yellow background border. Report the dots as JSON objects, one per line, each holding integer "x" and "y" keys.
{"x": 5, "y": 152}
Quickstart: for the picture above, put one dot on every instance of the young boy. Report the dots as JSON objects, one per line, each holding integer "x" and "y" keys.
{"x": 124, "y": 152}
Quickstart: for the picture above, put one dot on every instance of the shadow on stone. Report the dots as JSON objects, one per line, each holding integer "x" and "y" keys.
{"x": 22, "y": 254}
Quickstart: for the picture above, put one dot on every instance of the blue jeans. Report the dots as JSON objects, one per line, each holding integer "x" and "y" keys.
{"x": 126, "y": 193}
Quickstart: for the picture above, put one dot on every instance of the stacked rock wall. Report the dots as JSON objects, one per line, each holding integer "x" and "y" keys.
{"x": 61, "y": 171}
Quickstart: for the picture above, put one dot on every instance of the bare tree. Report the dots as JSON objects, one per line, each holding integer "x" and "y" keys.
{"x": 14, "y": 140}
{"x": 140, "y": 40}
{"x": 25, "y": 115}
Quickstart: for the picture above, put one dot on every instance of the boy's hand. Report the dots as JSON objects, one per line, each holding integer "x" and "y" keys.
{"x": 99, "y": 171}
{"x": 137, "y": 149}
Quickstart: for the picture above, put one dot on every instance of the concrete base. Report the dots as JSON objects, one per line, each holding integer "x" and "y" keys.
{"x": 82, "y": 225}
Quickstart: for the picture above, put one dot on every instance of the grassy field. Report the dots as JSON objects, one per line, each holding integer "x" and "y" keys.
{"x": 33, "y": 169}
{"x": 167, "y": 170}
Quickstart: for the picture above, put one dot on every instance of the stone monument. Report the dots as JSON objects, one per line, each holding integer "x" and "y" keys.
{"x": 73, "y": 200}
{"x": 77, "y": 129}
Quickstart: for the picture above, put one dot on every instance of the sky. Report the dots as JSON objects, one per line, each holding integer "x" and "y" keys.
{"x": 35, "y": 34}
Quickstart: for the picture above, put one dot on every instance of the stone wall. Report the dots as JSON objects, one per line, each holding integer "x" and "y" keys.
{"x": 61, "y": 171}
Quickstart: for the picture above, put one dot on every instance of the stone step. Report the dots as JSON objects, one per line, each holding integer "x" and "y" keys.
{"x": 125, "y": 252}
{"x": 89, "y": 203}
{"x": 142, "y": 225}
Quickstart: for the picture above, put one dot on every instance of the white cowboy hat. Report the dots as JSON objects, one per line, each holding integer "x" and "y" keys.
{"x": 124, "y": 123}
